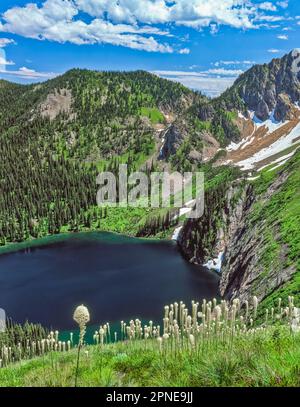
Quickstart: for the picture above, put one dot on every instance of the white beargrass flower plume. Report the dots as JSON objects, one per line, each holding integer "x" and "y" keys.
{"x": 176, "y": 310}
{"x": 279, "y": 305}
{"x": 82, "y": 317}
{"x": 246, "y": 310}
{"x": 192, "y": 341}
{"x": 255, "y": 305}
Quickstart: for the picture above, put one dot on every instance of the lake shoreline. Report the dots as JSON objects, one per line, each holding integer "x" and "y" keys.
{"x": 56, "y": 238}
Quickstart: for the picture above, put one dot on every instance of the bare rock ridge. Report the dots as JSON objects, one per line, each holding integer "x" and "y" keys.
{"x": 57, "y": 102}
{"x": 273, "y": 87}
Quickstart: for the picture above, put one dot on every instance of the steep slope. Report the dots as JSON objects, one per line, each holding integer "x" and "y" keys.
{"x": 251, "y": 224}
{"x": 256, "y": 227}
{"x": 263, "y": 253}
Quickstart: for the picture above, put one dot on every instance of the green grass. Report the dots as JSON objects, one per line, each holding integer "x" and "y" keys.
{"x": 265, "y": 359}
{"x": 153, "y": 114}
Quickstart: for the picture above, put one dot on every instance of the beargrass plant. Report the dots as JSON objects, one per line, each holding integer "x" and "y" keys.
{"x": 82, "y": 317}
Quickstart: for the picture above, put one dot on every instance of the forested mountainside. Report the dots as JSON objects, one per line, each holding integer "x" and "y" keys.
{"x": 58, "y": 134}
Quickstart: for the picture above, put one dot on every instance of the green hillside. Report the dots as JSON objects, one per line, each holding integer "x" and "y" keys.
{"x": 223, "y": 345}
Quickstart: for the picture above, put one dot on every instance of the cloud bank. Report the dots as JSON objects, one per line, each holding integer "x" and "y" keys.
{"x": 129, "y": 23}
{"x": 211, "y": 82}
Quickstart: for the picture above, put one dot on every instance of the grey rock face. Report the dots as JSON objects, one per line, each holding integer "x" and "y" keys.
{"x": 173, "y": 139}
{"x": 243, "y": 272}
{"x": 284, "y": 108}
{"x": 262, "y": 110}
{"x": 260, "y": 87}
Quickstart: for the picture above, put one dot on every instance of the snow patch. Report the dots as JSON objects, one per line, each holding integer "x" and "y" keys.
{"x": 279, "y": 160}
{"x": 247, "y": 143}
{"x": 252, "y": 178}
{"x": 272, "y": 124}
{"x": 241, "y": 116}
{"x": 176, "y": 233}
{"x": 280, "y": 145}
{"x": 215, "y": 264}
{"x": 187, "y": 208}
{"x": 278, "y": 165}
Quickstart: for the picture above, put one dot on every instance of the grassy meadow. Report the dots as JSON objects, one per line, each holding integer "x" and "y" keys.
{"x": 213, "y": 345}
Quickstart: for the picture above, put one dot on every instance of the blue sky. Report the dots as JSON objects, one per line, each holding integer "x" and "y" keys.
{"x": 204, "y": 44}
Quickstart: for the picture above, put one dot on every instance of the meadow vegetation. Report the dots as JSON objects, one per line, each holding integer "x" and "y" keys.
{"x": 213, "y": 344}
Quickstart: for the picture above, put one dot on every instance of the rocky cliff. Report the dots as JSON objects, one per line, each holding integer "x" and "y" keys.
{"x": 256, "y": 225}
{"x": 268, "y": 88}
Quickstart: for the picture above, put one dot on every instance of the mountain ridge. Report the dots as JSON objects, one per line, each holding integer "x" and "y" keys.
{"x": 59, "y": 134}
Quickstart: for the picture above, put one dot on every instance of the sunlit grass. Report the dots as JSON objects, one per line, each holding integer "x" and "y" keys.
{"x": 213, "y": 345}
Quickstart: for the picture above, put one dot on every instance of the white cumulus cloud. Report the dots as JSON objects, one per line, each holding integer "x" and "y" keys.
{"x": 26, "y": 73}
{"x": 211, "y": 82}
{"x": 283, "y": 4}
{"x": 4, "y": 61}
{"x": 128, "y": 23}
{"x": 185, "y": 51}
{"x": 268, "y": 6}
{"x": 6, "y": 41}
{"x": 283, "y": 37}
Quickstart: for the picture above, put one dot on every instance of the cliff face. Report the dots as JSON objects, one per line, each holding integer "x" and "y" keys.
{"x": 256, "y": 225}
{"x": 245, "y": 271}
{"x": 202, "y": 239}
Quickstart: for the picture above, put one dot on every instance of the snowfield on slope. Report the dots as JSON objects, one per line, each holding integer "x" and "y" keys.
{"x": 275, "y": 148}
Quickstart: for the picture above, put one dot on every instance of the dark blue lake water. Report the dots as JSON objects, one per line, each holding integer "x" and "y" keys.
{"x": 116, "y": 277}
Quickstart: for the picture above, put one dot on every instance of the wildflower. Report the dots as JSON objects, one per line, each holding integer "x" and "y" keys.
{"x": 192, "y": 340}
{"x": 176, "y": 310}
{"x": 101, "y": 334}
{"x": 255, "y": 304}
{"x": 218, "y": 312}
{"x": 279, "y": 305}
{"x": 247, "y": 309}
{"x": 82, "y": 317}
{"x": 295, "y": 323}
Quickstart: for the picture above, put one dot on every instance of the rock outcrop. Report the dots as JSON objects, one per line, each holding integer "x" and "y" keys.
{"x": 268, "y": 87}
{"x": 173, "y": 139}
